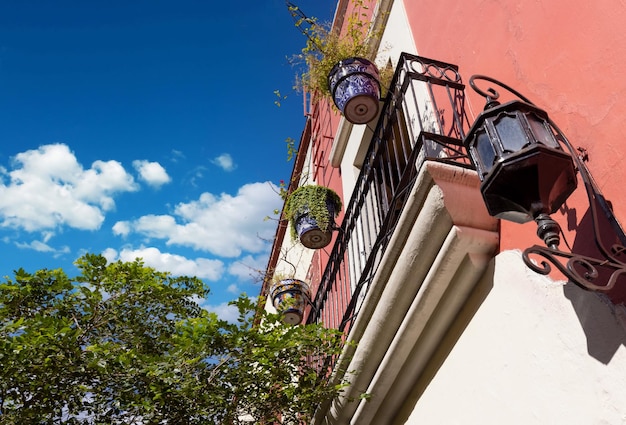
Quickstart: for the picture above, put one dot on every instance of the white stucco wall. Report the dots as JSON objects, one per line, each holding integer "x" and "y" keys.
{"x": 293, "y": 262}
{"x": 397, "y": 37}
{"x": 294, "y": 259}
{"x": 536, "y": 352}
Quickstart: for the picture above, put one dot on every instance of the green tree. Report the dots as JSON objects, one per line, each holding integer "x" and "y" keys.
{"x": 122, "y": 344}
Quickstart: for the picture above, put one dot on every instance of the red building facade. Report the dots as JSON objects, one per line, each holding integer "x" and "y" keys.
{"x": 434, "y": 291}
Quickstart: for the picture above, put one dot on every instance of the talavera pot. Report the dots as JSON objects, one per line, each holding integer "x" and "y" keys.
{"x": 311, "y": 210}
{"x": 309, "y": 233}
{"x": 289, "y": 297}
{"x": 355, "y": 87}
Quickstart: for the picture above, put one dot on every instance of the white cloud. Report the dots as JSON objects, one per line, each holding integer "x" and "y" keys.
{"x": 110, "y": 254}
{"x": 40, "y": 246}
{"x": 48, "y": 188}
{"x": 177, "y": 155}
{"x": 121, "y": 228}
{"x": 225, "y": 162}
{"x": 178, "y": 265}
{"x": 224, "y": 311}
{"x": 224, "y": 225}
{"x": 152, "y": 173}
{"x": 249, "y": 267}
{"x": 194, "y": 175}
{"x": 46, "y": 236}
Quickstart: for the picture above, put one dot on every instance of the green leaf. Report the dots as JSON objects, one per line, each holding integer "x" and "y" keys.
{"x": 121, "y": 341}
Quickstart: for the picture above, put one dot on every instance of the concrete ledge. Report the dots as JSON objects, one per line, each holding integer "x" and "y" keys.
{"x": 340, "y": 143}
{"x": 440, "y": 248}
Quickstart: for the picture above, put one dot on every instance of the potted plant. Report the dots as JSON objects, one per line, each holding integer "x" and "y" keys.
{"x": 355, "y": 89}
{"x": 337, "y": 64}
{"x": 289, "y": 297}
{"x": 311, "y": 211}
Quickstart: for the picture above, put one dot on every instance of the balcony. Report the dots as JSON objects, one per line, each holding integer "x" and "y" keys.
{"x": 414, "y": 244}
{"x": 423, "y": 119}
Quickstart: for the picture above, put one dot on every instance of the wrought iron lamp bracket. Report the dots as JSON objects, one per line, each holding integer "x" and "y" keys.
{"x": 581, "y": 270}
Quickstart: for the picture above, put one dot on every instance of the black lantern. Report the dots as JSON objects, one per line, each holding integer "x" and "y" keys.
{"x": 527, "y": 175}
{"x": 523, "y": 169}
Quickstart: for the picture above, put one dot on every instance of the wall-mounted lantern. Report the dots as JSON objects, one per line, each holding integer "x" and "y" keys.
{"x": 526, "y": 174}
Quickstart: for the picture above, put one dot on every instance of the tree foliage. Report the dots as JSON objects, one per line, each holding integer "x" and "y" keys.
{"x": 122, "y": 343}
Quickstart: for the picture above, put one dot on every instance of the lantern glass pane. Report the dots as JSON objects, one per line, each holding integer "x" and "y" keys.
{"x": 542, "y": 132}
{"x": 512, "y": 135}
{"x": 485, "y": 151}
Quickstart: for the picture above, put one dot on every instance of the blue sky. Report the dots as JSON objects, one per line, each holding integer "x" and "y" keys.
{"x": 146, "y": 129}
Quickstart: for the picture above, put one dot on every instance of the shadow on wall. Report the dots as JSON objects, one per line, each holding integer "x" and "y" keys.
{"x": 604, "y": 323}
{"x": 601, "y": 315}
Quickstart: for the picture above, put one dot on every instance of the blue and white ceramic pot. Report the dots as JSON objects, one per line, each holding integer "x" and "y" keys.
{"x": 355, "y": 87}
{"x": 309, "y": 232}
{"x": 289, "y": 298}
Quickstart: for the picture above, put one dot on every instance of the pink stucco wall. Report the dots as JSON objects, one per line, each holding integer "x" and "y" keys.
{"x": 568, "y": 57}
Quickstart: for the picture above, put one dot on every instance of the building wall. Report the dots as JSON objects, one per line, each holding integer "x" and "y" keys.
{"x": 534, "y": 352}
{"x": 525, "y": 348}
{"x": 566, "y": 56}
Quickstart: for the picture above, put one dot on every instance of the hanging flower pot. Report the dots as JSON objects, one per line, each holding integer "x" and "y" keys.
{"x": 289, "y": 297}
{"x": 308, "y": 229}
{"x": 311, "y": 210}
{"x": 355, "y": 87}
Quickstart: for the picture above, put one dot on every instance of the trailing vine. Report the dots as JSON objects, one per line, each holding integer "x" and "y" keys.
{"x": 311, "y": 199}
{"x": 325, "y": 47}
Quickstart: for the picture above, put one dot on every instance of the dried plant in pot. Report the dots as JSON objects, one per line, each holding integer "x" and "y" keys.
{"x": 337, "y": 64}
{"x": 289, "y": 297}
{"x": 311, "y": 211}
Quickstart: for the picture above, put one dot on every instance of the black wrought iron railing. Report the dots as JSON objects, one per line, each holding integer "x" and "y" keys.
{"x": 423, "y": 117}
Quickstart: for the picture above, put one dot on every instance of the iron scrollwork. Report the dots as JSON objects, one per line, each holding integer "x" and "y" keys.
{"x": 579, "y": 269}
{"x": 590, "y": 273}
